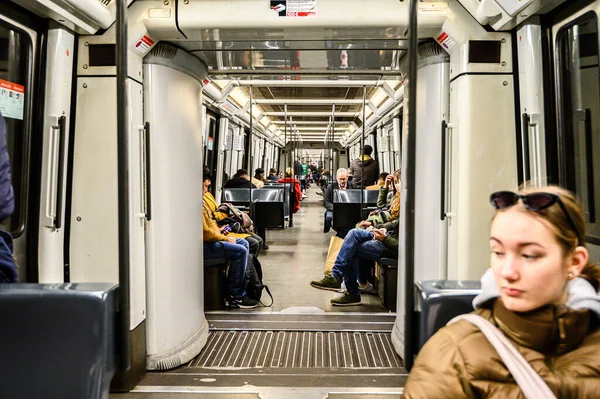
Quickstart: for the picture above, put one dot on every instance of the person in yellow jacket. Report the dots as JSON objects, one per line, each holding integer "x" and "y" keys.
{"x": 541, "y": 292}
{"x": 211, "y": 206}
{"x": 218, "y": 244}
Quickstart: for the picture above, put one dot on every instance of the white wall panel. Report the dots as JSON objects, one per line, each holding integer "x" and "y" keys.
{"x": 59, "y": 78}
{"x": 94, "y": 242}
{"x": 430, "y": 230}
{"x": 177, "y": 328}
{"x": 483, "y": 160}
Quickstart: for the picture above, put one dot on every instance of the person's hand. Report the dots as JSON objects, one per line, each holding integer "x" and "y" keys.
{"x": 222, "y": 228}
{"x": 388, "y": 181}
{"x": 370, "y": 228}
{"x": 378, "y": 235}
{"x": 365, "y": 224}
{"x": 232, "y": 240}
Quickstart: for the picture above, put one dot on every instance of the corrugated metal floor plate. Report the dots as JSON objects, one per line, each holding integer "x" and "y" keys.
{"x": 297, "y": 349}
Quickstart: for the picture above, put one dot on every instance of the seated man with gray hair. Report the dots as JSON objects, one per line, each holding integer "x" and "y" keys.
{"x": 341, "y": 183}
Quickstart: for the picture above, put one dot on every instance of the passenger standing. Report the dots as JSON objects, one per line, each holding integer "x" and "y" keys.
{"x": 341, "y": 183}
{"x": 235, "y": 250}
{"x": 297, "y": 191}
{"x": 370, "y": 166}
{"x": 541, "y": 293}
{"x": 8, "y": 268}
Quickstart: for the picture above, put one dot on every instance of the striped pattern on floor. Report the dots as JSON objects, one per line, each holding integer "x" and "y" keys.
{"x": 297, "y": 349}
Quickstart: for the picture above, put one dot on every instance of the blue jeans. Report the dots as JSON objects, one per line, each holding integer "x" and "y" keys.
{"x": 237, "y": 254}
{"x": 353, "y": 262}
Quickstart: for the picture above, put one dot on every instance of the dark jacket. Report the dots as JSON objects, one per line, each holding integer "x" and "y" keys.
{"x": 239, "y": 182}
{"x": 371, "y": 169}
{"x": 8, "y": 269}
{"x": 328, "y": 195}
{"x": 390, "y": 242}
{"x": 273, "y": 178}
{"x": 7, "y": 197}
{"x": 560, "y": 343}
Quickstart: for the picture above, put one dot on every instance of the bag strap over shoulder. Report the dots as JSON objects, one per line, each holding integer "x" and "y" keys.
{"x": 530, "y": 382}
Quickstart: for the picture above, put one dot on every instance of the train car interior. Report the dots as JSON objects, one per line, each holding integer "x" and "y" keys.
{"x": 118, "y": 111}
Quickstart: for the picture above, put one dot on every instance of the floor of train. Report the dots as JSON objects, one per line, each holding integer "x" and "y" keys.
{"x": 301, "y": 347}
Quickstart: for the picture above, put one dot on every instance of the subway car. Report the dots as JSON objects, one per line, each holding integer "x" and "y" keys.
{"x": 116, "y": 109}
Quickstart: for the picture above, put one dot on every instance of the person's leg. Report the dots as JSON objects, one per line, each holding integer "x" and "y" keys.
{"x": 333, "y": 281}
{"x": 328, "y": 220}
{"x": 348, "y": 251}
{"x": 262, "y": 233}
{"x": 254, "y": 244}
{"x": 367, "y": 253}
{"x": 238, "y": 257}
{"x": 8, "y": 268}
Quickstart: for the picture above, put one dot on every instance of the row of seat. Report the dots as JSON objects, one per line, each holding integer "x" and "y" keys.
{"x": 267, "y": 206}
{"x": 68, "y": 332}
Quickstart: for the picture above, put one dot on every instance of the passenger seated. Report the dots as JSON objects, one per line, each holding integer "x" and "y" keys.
{"x": 394, "y": 182}
{"x": 259, "y": 178}
{"x": 380, "y": 182}
{"x": 235, "y": 250}
{"x": 341, "y": 183}
{"x": 255, "y": 241}
{"x": 289, "y": 178}
{"x": 240, "y": 180}
{"x": 273, "y": 177}
{"x": 352, "y": 266}
{"x": 541, "y": 292}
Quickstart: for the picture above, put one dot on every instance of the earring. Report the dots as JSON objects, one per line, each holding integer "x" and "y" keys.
{"x": 570, "y": 276}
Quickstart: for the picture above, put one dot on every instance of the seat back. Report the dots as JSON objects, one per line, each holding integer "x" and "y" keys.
{"x": 240, "y": 197}
{"x": 58, "y": 340}
{"x": 346, "y": 208}
{"x": 268, "y": 207}
{"x": 439, "y": 301}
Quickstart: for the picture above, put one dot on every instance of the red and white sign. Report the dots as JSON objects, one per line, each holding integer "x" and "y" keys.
{"x": 446, "y": 41}
{"x": 12, "y": 99}
{"x": 144, "y": 44}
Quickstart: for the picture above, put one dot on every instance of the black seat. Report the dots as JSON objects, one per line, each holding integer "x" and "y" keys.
{"x": 240, "y": 197}
{"x": 268, "y": 207}
{"x": 58, "y": 340}
{"x": 369, "y": 202}
{"x": 439, "y": 301}
{"x": 215, "y": 283}
{"x": 346, "y": 208}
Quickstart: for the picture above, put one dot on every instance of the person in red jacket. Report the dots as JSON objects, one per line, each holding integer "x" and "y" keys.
{"x": 289, "y": 178}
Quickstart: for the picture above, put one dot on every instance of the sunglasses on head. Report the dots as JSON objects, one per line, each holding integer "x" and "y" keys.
{"x": 532, "y": 202}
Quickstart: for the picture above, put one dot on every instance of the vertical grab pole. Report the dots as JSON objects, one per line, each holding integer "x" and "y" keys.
{"x": 123, "y": 187}
{"x": 250, "y": 149}
{"x": 408, "y": 177}
{"x": 333, "y": 134}
{"x": 362, "y": 164}
{"x": 285, "y": 160}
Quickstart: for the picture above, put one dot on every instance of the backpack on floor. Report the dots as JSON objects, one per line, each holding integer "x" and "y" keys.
{"x": 254, "y": 280}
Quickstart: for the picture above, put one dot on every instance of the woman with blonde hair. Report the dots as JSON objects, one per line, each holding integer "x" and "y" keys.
{"x": 540, "y": 294}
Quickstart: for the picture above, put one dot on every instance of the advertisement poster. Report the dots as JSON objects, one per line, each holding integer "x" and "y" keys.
{"x": 12, "y": 100}
{"x": 294, "y": 8}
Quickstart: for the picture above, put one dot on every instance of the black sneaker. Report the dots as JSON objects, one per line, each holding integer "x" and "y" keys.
{"x": 265, "y": 246}
{"x": 346, "y": 299}
{"x": 328, "y": 282}
{"x": 240, "y": 303}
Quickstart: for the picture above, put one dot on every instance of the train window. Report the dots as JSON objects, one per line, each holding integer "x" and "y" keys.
{"x": 15, "y": 66}
{"x": 579, "y": 102}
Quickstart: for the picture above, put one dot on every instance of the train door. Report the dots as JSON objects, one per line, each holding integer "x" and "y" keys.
{"x": 577, "y": 77}
{"x": 20, "y": 52}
